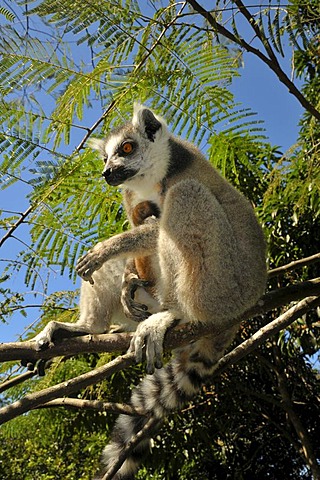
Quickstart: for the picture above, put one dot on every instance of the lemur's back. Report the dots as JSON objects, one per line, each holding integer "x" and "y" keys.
{"x": 249, "y": 259}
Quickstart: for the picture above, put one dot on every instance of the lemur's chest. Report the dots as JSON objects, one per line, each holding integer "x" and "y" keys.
{"x": 154, "y": 195}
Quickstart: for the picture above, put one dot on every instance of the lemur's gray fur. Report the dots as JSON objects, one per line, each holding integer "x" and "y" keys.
{"x": 206, "y": 253}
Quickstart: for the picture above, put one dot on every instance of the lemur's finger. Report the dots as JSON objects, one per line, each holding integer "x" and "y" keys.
{"x": 136, "y": 346}
{"x": 158, "y": 355}
{"x": 150, "y": 352}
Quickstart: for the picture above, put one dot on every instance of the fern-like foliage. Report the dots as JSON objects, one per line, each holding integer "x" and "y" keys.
{"x": 10, "y": 16}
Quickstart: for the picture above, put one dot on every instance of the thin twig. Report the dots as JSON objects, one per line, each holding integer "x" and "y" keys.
{"x": 158, "y": 40}
{"x": 303, "y": 262}
{"x": 135, "y": 440}
{"x": 11, "y": 230}
{"x": 93, "y": 405}
{"x": 273, "y": 65}
{"x": 97, "y": 123}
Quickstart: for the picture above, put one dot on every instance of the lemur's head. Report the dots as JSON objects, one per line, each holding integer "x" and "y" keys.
{"x": 136, "y": 152}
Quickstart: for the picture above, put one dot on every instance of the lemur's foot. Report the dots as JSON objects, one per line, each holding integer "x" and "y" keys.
{"x": 134, "y": 310}
{"x": 39, "y": 365}
{"x": 150, "y": 334}
{"x": 42, "y": 340}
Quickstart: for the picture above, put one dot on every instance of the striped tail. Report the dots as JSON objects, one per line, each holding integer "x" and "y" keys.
{"x": 166, "y": 390}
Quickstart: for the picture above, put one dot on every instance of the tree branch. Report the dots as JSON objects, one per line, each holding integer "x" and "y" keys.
{"x": 11, "y": 230}
{"x": 180, "y": 335}
{"x": 288, "y": 405}
{"x": 93, "y": 405}
{"x": 158, "y": 40}
{"x": 97, "y": 123}
{"x": 134, "y": 441}
{"x": 17, "y": 379}
{"x": 303, "y": 262}
{"x": 36, "y": 399}
{"x": 272, "y": 62}
{"x": 266, "y": 332}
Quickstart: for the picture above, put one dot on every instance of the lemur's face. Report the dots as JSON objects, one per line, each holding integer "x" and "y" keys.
{"x": 126, "y": 156}
{"x": 135, "y": 153}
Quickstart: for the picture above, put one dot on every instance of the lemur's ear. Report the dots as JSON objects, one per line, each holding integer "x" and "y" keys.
{"x": 147, "y": 122}
{"x": 97, "y": 144}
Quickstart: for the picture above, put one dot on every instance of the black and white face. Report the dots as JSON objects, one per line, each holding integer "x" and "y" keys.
{"x": 123, "y": 159}
{"x": 137, "y": 153}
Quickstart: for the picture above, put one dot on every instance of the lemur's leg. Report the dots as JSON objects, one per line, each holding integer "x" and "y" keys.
{"x": 139, "y": 272}
{"x": 99, "y": 306}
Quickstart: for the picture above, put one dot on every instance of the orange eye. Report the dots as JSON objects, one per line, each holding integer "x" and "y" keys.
{"x": 127, "y": 147}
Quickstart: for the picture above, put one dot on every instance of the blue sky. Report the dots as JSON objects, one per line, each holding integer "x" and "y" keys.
{"x": 256, "y": 88}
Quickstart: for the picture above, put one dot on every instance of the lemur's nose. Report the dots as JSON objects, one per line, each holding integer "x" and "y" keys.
{"x": 107, "y": 173}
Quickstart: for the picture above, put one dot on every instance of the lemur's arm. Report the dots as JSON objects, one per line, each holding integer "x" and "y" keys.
{"x": 134, "y": 277}
{"x": 138, "y": 242}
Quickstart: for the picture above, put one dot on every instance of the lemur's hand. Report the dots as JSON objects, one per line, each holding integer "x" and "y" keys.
{"x": 150, "y": 334}
{"x": 91, "y": 261}
{"x": 132, "y": 309}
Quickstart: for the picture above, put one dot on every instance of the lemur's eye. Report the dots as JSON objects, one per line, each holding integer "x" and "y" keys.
{"x": 127, "y": 147}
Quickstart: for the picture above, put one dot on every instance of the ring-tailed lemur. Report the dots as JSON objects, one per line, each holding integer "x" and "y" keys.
{"x": 206, "y": 257}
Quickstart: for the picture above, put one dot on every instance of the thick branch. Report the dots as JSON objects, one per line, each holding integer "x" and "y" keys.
{"x": 33, "y": 400}
{"x": 181, "y": 335}
{"x": 273, "y": 65}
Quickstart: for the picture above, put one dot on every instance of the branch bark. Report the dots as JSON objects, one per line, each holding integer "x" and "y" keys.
{"x": 17, "y": 379}
{"x": 93, "y": 405}
{"x": 144, "y": 432}
{"x": 11, "y": 230}
{"x": 36, "y": 399}
{"x": 283, "y": 321}
{"x": 303, "y": 262}
{"x": 179, "y": 336}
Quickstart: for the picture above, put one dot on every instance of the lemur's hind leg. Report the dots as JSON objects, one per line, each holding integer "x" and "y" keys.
{"x": 99, "y": 307}
{"x": 198, "y": 255}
